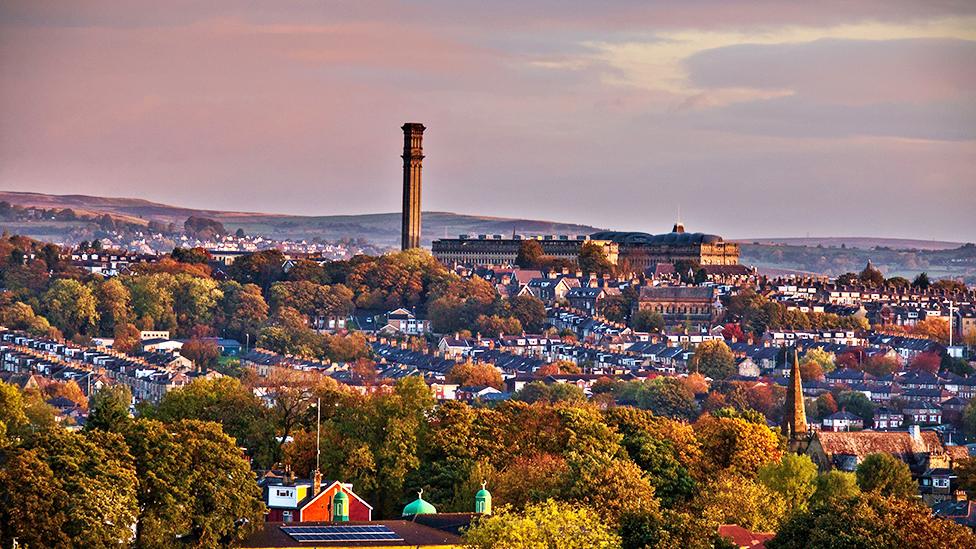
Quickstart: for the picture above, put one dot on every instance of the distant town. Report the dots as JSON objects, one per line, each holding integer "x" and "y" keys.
{"x": 636, "y": 389}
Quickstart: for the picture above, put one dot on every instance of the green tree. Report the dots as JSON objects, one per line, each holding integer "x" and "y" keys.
{"x": 822, "y": 358}
{"x": 72, "y": 307}
{"x": 112, "y": 299}
{"x": 969, "y": 418}
{"x": 886, "y": 475}
{"x": 793, "y": 479}
{"x": 194, "y": 301}
{"x": 109, "y": 409}
{"x": 856, "y": 403}
{"x": 646, "y": 320}
{"x": 13, "y": 419}
{"x": 921, "y": 281}
{"x": 870, "y": 520}
{"x": 657, "y": 456}
{"x": 244, "y": 310}
{"x": 261, "y": 268}
{"x": 833, "y": 486}
{"x": 732, "y": 499}
{"x": 68, "y": 489}
{"x": 714, "y": 359}
{"x": 643, "y": 529}
{"x": 592, "y": 259}
{"x": 667, "y": 396}
{"x": 288, "y": 333}
{"x": 529, "y": 311}
{"x": 222, "y": 504}
{"x": 226, "y": 401}
{"x": 549, "y": 524}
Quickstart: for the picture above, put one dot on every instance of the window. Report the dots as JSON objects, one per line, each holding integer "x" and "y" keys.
{"x": 286, "y": 516}
{"x": 941, "y": 483}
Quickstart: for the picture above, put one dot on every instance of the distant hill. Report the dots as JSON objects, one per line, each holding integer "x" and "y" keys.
{"x": 380, "y": 228}
{"x": 859, "y": 242}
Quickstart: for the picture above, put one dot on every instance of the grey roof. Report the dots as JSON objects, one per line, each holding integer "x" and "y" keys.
{"x": 638, "y": 238}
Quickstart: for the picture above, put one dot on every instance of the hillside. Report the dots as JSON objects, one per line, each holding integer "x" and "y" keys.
{"x": 860, "y": 242}
{"x": 381, "y": 228}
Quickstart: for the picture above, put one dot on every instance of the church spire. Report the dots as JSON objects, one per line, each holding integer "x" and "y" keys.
{"x": 794, "y": 413}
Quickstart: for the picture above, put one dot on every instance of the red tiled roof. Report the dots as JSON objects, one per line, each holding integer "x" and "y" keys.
{"x": 745, "y": 538}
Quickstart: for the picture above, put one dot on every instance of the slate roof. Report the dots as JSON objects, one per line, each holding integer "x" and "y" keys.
{"x": 674, "y": 238}
{"x": 270, "y": 535}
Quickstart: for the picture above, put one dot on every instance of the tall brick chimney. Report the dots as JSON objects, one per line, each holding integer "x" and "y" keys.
{"x": 413, "y": 157}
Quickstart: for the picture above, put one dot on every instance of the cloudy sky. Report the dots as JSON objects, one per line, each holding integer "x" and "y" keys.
{"x": 763, "y": 118}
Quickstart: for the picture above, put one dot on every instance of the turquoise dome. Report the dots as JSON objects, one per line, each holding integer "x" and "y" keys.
{"x": 419, "y": 507}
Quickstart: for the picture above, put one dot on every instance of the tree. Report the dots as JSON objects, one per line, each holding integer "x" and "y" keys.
{"x": 935, "y": 329}
{"x": 226, "y": 401}
{"x": 69, "y": 390}
{"x": 869, "y": 520}
{"x": 529, "y": 255}
{"x": 656, "y": 455}
{"x": 288, "y": 333}
{"x": 856, "y": 403}
{"x": 65, "y": 489}
{"x": 538, "y": 391}
{"x": 529, "y": 311}
{"x": 834, "y": 486}
{"x": 109, "y": 409}
{"x": 666, "y": 396}
{"x": 811, "y": 371}
{"x": 821, "y": 357}
{"x": 646, "y": 320}
{"x": 592, "y": 259}
{"x": 615, "y": 488}
{"x": 732, "y": 499}
{"x": 898, "y": 282}
{"x": 549, "y": 524}
{"x": 921, "y": 281}
{"x": 112, "y": 299}
{"x": 244, "y": 310}
{"x": 13, "y": 419}
{"x": 261, "y": 268}
{"x": 824, "y": 406}
{"x": 736, "y": 444}
{"x": 642, "y": 529}
{"x": 969, "y": 418}
{"x": 926, "y": 362}
{"x": 127, "y": 338}
{"x": 871, "y": 276}
{"x": 223, "y": 504}
{"x": 469, "y": 374}
{"x": 793, "y": 479}
{"x": 965, "y": 469}
{"x": 191, "y": 255}
{"x": 714, "y": 359}
{"x": 71, "y": 306}
{"x": 886, "y": 475}
{"x": 203, "y": 352}
{"x": 880, "y": 366}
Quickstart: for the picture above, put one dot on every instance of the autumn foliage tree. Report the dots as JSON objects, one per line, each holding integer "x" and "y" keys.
{"x": 470, "y": 374}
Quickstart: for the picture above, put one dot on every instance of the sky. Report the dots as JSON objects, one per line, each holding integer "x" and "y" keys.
{"x": 752, "y": 119}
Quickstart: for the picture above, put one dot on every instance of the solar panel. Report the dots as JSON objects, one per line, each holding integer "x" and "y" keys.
{"x": 362, "y": 532}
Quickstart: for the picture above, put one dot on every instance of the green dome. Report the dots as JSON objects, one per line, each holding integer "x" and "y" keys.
{"x": 483, "y": 494}
{"x": 419, "y": 507}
